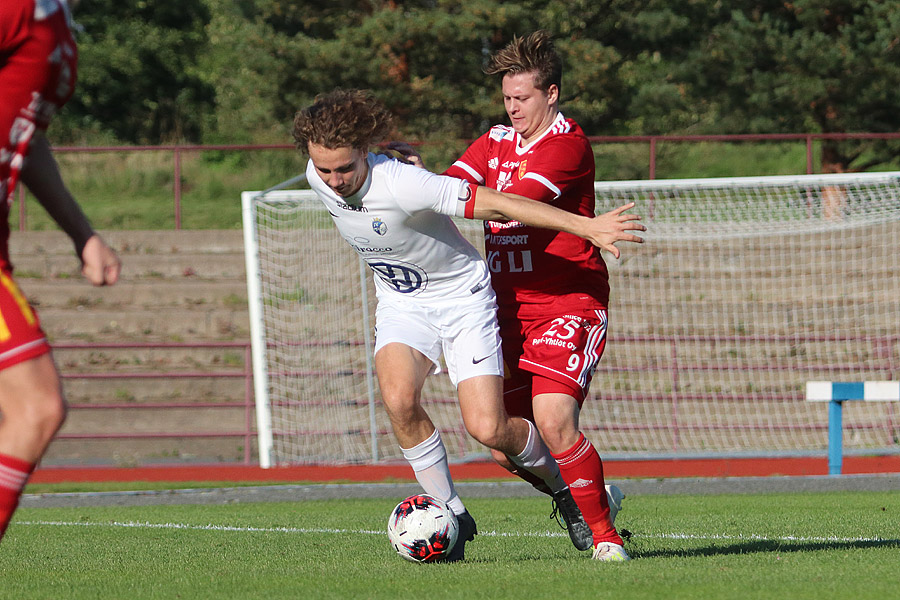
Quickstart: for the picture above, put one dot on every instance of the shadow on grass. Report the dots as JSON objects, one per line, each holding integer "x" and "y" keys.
{"x": 782, "y": 546}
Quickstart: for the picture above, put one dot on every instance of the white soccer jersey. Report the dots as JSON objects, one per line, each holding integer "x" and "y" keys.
{"x": 398, "y": 223}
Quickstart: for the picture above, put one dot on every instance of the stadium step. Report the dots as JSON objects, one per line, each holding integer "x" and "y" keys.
{"x": 128, "y": 243}
{"x": 145, "y": 293}
{"x": 92, "y": 358}
{"x": 124, "y": 323}
{"x": 134, "y": 390}
{"x": 197, "y": 277}
{"x": 138, "y": 266}
{"x": 176, "y": 287}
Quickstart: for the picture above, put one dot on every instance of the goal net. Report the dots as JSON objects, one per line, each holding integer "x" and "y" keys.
{"x": 744, "y": 289}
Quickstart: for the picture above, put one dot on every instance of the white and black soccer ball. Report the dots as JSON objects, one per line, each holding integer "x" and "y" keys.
{"x": 422, "y": 528}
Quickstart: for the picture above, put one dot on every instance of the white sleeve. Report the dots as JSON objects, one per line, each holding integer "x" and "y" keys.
{"x": 417, "y": 189}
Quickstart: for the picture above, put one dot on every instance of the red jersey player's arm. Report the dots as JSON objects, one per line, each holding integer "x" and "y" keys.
{"x": 603, "y": 231}
{"x": 100, "y": 264}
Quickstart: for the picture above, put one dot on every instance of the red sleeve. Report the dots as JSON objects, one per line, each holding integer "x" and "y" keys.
{"x": 15, "y": 21}
{"x": 472, "y": 164}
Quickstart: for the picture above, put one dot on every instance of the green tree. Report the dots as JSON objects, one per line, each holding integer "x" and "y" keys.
{"x": 138, "y": 77}
{"x": 426, "y": 60}
{"x": 618, "y": 57}
{"x": 267, "y": 58}
{"x": 246, "y": 66}
{"x": 319, "y": 19}
{"x": 423, "y": 60}
{"x": 154, "y": 71}
{"x": 804, "y": 66}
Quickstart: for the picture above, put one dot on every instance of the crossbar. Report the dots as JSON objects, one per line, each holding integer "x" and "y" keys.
{"x": 838, "y": 392}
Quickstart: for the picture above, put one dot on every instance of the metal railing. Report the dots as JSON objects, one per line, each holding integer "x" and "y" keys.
{"x": 807, "y": 138}
{"x": 178, "y": 151}
{"x": 247, "y": 433}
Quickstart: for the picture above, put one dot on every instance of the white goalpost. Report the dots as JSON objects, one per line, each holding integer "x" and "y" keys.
{"x": 309, "y": 299}
{"x": 744, "y": 289}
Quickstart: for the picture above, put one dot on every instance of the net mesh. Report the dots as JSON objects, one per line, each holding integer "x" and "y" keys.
{"x": 743, "y": 290}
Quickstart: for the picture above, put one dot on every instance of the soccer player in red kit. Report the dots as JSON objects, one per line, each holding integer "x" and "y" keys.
{"x": 552, "y": 288}
{"x": 37, "y": 76}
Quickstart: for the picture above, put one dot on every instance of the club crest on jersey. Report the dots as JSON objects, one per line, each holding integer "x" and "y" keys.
{"x": 379, "y": 226}
{"x": 522, "y": 169}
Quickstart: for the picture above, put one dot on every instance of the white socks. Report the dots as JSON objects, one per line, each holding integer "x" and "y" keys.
{"x": 429, "y": 462}
{"x": 536, "y": 458}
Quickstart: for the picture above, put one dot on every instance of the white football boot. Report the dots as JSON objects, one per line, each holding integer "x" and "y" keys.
{"x": 609, "y": 552}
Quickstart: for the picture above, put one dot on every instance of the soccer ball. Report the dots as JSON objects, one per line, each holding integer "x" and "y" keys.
{"x": 422, "y": 528}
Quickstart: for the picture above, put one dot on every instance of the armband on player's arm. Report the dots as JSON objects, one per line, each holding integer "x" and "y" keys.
{"x": 465, "y": 206}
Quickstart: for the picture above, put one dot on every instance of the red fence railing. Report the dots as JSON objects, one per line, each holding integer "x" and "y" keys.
{"x": 243, "y": 371}
{"x": 808, "y": 139}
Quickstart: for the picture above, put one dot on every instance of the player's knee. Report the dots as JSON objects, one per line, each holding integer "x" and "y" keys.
{"x": 43, "y": 415}
{"x": 52, "y": 414}
{"x": 400, "y": 406}
{"x": 502, "y": 459}
{"x": 488, "y": 432}
{"x": 558, "y": 437}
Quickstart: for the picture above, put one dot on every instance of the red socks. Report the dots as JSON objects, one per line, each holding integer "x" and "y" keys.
{"x": 582, "y": 470}
{"x": 14, "y": 473}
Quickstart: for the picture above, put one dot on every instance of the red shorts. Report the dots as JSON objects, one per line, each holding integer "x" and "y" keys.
{"x": 555, "y": 352}
{"x": 21, "y": 337}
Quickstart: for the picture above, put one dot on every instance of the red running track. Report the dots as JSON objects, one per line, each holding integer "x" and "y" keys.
{"x": 401, "y": 472}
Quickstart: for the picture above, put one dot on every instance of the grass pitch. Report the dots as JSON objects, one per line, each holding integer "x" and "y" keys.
{"x": 815, "y": 545}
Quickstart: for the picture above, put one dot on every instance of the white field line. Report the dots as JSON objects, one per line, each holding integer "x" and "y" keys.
{"x": 547, "y": 534}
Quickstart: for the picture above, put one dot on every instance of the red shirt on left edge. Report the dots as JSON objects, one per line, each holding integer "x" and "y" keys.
{"x": 38, "y": 68}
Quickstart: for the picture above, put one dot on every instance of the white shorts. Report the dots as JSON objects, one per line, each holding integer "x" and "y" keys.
{"x": 464, "y": 330}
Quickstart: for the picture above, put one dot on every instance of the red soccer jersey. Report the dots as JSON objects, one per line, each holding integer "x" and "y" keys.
{"x": 529, "y": 264}
{"x": 37, "y": 76}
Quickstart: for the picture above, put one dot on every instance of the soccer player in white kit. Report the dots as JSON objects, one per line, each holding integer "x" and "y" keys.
{"x": 433, "y": 287}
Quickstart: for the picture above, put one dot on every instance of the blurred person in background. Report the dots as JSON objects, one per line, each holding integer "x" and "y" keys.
{"x": 38, "y": 63}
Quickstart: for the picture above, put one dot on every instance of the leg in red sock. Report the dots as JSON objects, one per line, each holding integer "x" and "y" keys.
{"x": 13, "y": 475}
{"x": 582, "y": 469}
{"x": 32, "y": 410}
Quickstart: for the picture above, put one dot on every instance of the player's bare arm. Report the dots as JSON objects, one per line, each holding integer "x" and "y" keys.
{"x": 604, "y": 231}
{"x": 100, "y": 263}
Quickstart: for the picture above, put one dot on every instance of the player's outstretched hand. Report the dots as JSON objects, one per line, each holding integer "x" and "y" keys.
{"x": 607, "y": 229}
{"x": 406, "y": 153}
{"x": 100, "y": 263}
